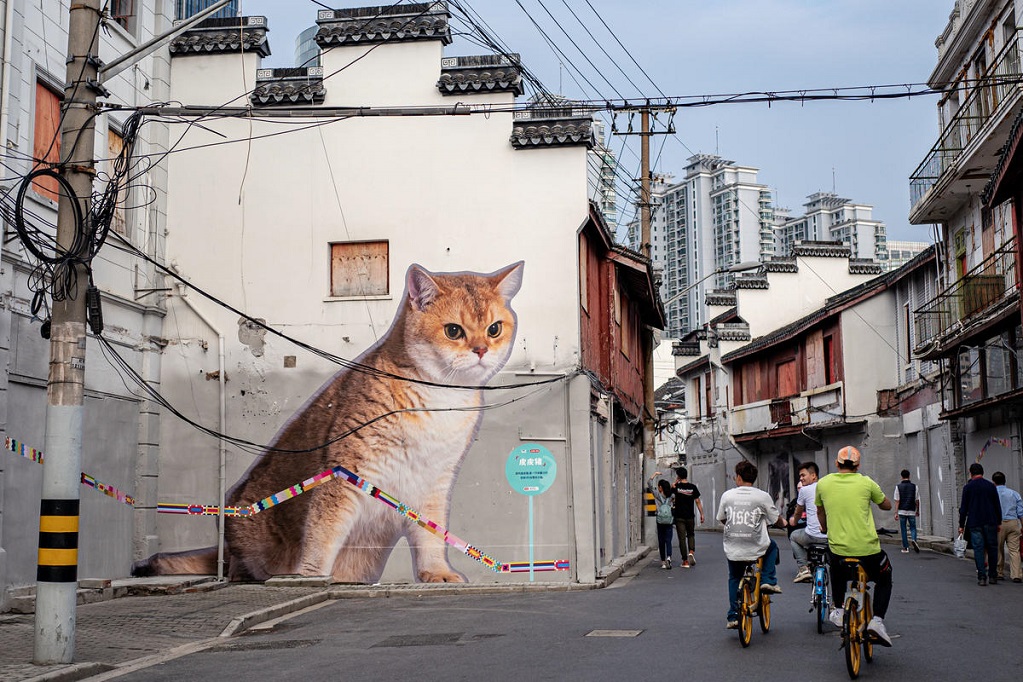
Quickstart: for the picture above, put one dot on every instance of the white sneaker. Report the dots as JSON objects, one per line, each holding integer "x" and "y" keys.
{"x": 692, "y": 559}
{"x": 876, "y": 628}
{"x": 837, "y": 616}
{"x": 804, "y": 576}
{"x": 770, "y": 589}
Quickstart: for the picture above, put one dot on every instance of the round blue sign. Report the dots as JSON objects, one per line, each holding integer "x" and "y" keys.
{"x": 530, "y": 469}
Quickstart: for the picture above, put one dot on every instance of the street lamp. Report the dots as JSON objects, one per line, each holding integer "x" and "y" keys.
{"x": 738, "y": 267}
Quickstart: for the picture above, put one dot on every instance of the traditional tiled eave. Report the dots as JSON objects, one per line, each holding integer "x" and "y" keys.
{"x": 386, "y": 24}
{"x": 733, "y": 331}
{"x": 780, "y": 265}
{"x": 551, "y": 127}
{"x": 224, "y": 36}
{"x": 720, "y": 298}
{"x": 752, "y": 282}
{"x": 685, "y": 348}
{"x": 822, "y": 249}
{"x": 301, "y": 85}
{"x": 864, "y": 266}
{"x": 480, "y": 74}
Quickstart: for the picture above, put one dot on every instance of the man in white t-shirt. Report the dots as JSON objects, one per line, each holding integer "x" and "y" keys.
{"x": 802, "y": 538}
{"x": 746, "y": 512}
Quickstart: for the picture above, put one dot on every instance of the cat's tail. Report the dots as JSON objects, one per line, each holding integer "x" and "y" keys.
{"x": 192, "y": 562}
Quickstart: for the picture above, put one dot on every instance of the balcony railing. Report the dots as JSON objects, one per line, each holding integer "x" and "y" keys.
{"x": 1000, "y": 83}
{"x": 814, "y": 407}
{"x": 978, "y": 291}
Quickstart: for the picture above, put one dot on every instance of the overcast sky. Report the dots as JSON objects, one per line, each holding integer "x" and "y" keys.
{"x": 865, "y": 151}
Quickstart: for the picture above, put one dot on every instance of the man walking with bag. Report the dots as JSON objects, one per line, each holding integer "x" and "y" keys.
{"x": 980, "y": 514}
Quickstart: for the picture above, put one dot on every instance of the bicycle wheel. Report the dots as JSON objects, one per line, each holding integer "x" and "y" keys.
{"x": 745, "y": 613}
{"x": 765, "y": 612}
{"x": 822, "y": 613}
{"x": 850, "y": 638}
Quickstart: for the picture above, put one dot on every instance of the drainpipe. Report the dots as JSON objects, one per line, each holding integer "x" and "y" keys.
{"x": 221, "y": 379}
{"x": 5, "y": 83}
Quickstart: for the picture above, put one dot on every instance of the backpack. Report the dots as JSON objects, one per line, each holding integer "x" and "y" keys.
{"x": 664, "y": 513}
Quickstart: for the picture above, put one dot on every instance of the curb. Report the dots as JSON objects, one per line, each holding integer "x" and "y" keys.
{"x": 242, "y": 623}
{"x": 74, "y": 672}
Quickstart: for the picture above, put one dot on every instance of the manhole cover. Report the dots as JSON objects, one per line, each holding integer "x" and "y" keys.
{"x": 428, "y": 639}
{"x": 260, "y": 646}
{"x": 614, "y": 633}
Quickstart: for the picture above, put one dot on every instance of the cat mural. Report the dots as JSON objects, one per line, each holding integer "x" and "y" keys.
{"x": 453, "y": 329}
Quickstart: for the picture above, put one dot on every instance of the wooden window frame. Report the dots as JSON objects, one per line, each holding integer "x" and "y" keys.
{"x": 46, "y": 140}
{"x": 381, "y": 289}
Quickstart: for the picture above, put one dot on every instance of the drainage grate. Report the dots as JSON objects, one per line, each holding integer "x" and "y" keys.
{"x": 261, "y": 646}
{"x": 426, "y": 639}
{"x": 614, "y": 633}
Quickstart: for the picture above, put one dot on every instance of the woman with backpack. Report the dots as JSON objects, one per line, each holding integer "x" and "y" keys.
{"x": 664, "y": 499}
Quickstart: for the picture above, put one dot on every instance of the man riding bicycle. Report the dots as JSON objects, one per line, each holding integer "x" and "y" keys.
{"x": 843, "y": 509}
{"x": 746, "y": 512}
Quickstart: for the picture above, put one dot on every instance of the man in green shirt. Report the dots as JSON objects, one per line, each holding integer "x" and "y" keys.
{"x": 843, "y": 509}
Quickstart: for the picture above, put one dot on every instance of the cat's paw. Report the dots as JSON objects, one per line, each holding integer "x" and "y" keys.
{"x": 446, "y": 575}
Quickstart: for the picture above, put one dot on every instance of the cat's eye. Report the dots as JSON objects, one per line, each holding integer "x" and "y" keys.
{"x": 453, "y": 331}
{"x": 494, "y": 330}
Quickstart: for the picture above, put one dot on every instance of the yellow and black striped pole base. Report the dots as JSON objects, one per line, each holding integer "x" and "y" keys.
{"x": 58, "y": 541}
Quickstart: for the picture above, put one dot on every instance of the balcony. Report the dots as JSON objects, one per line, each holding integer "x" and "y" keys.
{"x": 983, "y": 291}
{"x": 968, "y": 149}
{"x": 816, "y": 407}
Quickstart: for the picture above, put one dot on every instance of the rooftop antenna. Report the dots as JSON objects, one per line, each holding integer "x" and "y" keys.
{"x": 717, "y": 142}
{"x": 833, "y": 186}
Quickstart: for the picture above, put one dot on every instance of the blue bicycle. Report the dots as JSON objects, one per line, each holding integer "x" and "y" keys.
{"x": 818, "y": 559}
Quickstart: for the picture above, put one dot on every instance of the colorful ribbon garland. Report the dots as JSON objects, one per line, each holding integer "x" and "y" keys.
{"x": 19, "y": 448}
{"x": 1004, "y": 442}
{"x": 290, "y": 492}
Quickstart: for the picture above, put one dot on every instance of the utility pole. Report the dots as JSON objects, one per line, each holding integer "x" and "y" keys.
{"x": 645, "y": 249}
{"x": 57, "y": 573}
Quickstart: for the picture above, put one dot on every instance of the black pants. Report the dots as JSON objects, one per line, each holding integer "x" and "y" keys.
{"x": 664, "y": 531}
{"x": 879, "y": 571}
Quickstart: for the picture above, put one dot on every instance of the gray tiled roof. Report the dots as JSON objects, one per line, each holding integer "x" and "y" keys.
{"x": 484, "y": 73}
{"x": 385, "y": 24}
{"x": 223, "y": 35}
{"x": 300, "y": 85}
{"x": 551, "y": 127}
{"x": 827, "y": 249}
{"x": 864, "y": 266}
{"x": 781, "y": 265}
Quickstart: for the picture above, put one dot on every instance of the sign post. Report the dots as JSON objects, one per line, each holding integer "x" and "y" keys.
{"x": 530, "y": 470}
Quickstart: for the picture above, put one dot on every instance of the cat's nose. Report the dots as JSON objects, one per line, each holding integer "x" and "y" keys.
{"x": 480, "y": 351}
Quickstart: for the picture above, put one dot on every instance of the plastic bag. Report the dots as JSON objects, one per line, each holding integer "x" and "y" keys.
{"x": 959, "y": 546}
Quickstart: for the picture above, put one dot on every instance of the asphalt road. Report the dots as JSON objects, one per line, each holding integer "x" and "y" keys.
{"x": 668, "y": 625}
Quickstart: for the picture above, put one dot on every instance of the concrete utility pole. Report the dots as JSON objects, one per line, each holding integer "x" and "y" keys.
{"x": 645, "y": 249}
{"x": 57, "y": 573}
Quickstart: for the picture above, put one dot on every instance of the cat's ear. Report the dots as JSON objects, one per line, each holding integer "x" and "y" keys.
{"x": 422, "y": 289}
{"x": 509, "y": 279}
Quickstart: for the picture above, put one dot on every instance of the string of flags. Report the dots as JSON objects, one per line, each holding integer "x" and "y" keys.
{"x": 290, "y": 492}
{"x": 30, "y": 453}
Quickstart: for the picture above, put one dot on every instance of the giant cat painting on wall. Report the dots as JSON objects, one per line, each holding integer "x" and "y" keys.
{"x": 452, "y": 332}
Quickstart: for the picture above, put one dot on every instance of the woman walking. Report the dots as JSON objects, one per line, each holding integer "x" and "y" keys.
{"x": 664, "y": 499}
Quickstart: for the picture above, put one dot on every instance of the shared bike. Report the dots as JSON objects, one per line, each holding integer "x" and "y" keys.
{"x": 858, "y": 612}
{"x": 753, "y": 602}
{"x": 818, "y": 559}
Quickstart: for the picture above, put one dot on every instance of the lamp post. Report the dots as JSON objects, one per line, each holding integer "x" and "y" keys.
{"x": 738, "y": 267}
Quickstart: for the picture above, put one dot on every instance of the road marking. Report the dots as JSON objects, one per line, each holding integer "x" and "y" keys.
{"x": 614, "y": 633}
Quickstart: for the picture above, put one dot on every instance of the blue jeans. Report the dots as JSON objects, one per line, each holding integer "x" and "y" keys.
{"x": 737, "y": 568}
{"x": 664, "y": 532}
{"x": 985, "y": 541}
{"x": 911, "y": 520}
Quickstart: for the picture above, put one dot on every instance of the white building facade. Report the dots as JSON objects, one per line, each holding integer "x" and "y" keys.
{"x": 265, "y": 222}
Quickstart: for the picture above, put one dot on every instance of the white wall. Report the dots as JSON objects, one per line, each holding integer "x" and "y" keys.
{"x": 251, "y": 222}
